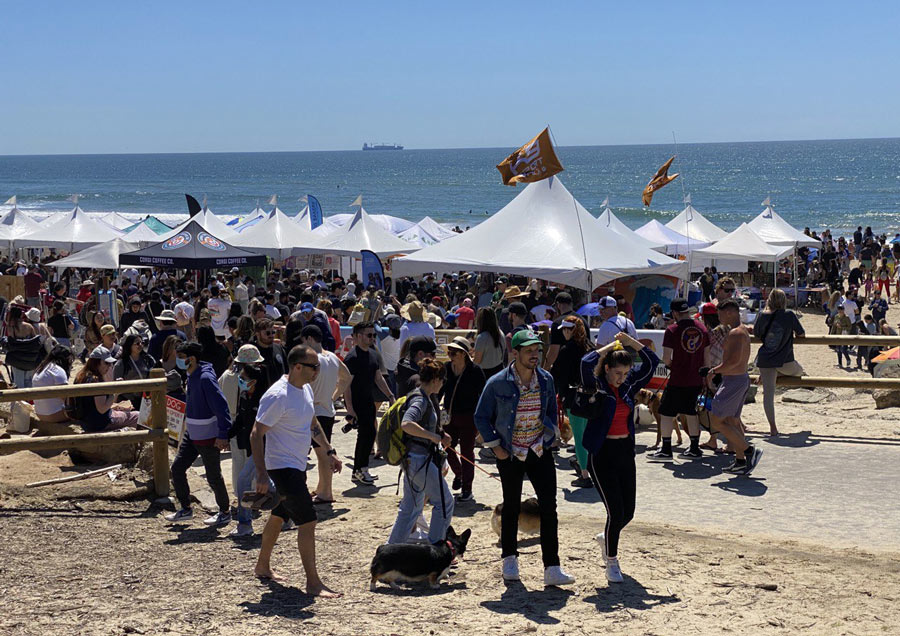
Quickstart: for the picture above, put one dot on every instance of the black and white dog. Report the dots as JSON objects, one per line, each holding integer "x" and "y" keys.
{"x": 414, "y": 563}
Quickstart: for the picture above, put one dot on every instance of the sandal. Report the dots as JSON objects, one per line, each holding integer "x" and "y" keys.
{"x": 319, "y": 501}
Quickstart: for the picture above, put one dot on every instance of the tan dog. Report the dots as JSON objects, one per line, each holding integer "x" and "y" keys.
{"x": 529, "y": 517}
{"x": 651, "y": 400}
{"x": 565, "y": 430}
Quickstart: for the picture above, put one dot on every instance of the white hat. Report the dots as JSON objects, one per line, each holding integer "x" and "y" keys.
{"x": 34, "y": 314}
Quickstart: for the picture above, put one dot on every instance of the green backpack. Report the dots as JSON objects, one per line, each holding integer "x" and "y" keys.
{"x": 390, "y": 438}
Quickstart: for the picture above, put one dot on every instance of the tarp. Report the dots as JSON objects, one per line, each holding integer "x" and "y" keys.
{"x": 744, "y": 243}
{"x": 153, "y": 223}
{"x": 192, "y": 247}
{"x": 362, "y": 233}
{"x": 610, "y": 221}
{"x": 279, "y": 237}
{"x": 208, "y": 221}
{"x": 543, "y": 233}
{"x": 72, "y": 231}
{"x": 102, "y": 256}
{"x": 773, "y": 229}
{"x": 694, "y": 225}
{"x": 426, "y": 232}
{"x": 675, "y": 243}
{"x": 14, "y": 225}
{"x": 392, "y": 224}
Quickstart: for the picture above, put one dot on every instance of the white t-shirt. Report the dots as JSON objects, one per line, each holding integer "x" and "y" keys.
{"x": 289, "y": 412}
{"x": 218, "y": 313}
{"x": 411, "y": 329}
{"x": 390, "y": 352}
{"x": 272, "y": 312}
{"x": 850, "y": 308}
{"x": 324, "y": 384}
{"x": 51, "y": 375}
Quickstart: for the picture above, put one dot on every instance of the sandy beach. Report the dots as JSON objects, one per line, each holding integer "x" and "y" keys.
{"x": 811, "y": 542}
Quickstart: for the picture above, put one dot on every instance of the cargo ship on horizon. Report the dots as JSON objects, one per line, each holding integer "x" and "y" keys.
{"x": 382, "y": 147}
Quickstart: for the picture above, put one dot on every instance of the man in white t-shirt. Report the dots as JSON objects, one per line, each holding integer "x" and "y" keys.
{"x": 218, "y": 306}
{"x": 286, "y": 417}
{"x": 850, "y": 308}
{"x": 330, "y": 383}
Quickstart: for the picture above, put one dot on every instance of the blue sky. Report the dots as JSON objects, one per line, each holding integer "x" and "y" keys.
{"x": 100, "y": 77}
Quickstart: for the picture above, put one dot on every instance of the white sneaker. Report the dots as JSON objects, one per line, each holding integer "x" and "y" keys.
{"x": 369, "y": 476}
{"x": 511, "y": 568}
{"x": 362, "y": 478}
{"x": 242, "y": 530}
{"x": 218, "y": 519}
{"x": 602, "y": 539}
{"x": 613, "y": 573}
{"x": 555, "y": 575}
{"x": 288, "y": 525}
{"x": 180, "y": 515}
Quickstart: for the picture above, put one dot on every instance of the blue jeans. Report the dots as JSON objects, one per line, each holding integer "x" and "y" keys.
{"x": 245, "y": 482}
{"x": 21, "y": 378}
{"x": 422, "y": 478}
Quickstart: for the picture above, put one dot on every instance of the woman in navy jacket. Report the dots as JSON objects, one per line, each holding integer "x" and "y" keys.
{"x": 610, "y": 438}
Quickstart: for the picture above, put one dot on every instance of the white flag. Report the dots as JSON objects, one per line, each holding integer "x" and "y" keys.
{"x": 11, "y": 201}
{"x": 687, "y": 199}
{"x": 605, "y": 203}
{"x": 357, "y": 202}
{"x": 273, "y": 200}
{"x": 74, "y": 199}
{"x": 767, "y": 203}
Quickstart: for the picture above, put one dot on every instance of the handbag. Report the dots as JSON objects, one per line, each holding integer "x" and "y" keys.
{"x": 589, "y": 405}
{"x": 446, "y": 414}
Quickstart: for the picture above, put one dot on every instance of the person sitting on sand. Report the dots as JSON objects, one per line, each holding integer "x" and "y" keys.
{"x": 53, "y": 370}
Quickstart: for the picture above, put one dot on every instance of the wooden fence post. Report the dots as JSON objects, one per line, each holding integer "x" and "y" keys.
{"x": 160, "y": 446}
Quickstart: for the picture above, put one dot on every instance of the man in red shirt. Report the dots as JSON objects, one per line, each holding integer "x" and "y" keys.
{"x": 465, "y": 315}
{"x": 33, "y": 280}
{"x": 683, "y": 346}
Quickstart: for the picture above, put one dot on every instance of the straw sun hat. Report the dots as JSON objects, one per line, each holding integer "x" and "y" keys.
{"x": 415, "y": 312}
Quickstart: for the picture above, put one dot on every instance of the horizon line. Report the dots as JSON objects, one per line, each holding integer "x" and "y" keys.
{"x": 249, "y": 152}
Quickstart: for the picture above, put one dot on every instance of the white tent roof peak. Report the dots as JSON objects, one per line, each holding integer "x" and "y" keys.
{"x": 610, "y": 221}
{"x": 744, "y": 243}
{"x": 543, "y": 233}
{"x": 364, "y": 233}
{"x": 209, "y": 222}
{"x": 393, "y": 224}
{"x": 72, "y": 231}
{"x": 102, "y": 256}
{"x": 674, "y": 242}
{"x": 776, "y": 231}
{"x": 279, "y": 236}
{"x": 696, "y": 226}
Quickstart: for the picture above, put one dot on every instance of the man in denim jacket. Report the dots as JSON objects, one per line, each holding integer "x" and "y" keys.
{"x": 516, "y": 417}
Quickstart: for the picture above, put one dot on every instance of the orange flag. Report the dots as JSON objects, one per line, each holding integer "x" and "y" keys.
{"x": 534, "y": 161}
{"x": 660, "y": 179}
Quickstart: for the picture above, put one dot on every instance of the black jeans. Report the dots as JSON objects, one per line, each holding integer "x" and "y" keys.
{"x": 365, "y": 435}
{"x": 612, "y": 471}
{"x": 187, "y": 453}
{"x": 541, "y": 473}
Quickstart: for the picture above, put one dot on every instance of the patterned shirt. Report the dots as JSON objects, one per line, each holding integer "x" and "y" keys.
{"x": 528, "y": 432}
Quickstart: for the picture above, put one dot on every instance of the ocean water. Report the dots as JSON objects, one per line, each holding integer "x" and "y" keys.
{"x": 837, "y": 184}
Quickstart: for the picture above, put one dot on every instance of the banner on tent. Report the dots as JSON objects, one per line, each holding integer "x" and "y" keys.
{"x": 316, "y": 218}
{"x": 372, "y": 269}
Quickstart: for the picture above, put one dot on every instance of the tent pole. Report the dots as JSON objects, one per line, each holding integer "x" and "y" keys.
{"x": 796, "y": 282}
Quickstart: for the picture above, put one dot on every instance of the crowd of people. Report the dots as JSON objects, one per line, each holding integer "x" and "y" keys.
{"x": 264, "y": 366}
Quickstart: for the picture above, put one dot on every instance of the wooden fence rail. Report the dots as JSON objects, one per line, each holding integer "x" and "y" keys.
{"x": 155, "y": 386}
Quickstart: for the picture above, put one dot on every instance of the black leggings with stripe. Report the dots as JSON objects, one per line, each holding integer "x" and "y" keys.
{"x": 613, "y": 473}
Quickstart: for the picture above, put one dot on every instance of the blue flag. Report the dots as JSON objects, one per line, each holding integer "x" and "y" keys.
{"x": 315, "y": 212}
{"x": 372, "y": 270}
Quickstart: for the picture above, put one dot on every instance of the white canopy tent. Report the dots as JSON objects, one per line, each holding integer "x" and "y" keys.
{"x": 696, "y": 226}
{"x": 279, "y": 237}
{"x": 774, "y": 230}
{"x": 392, "y": 224}
{"x": 745, "y": 244}
{"x": 251, "y": 219}
{"x": 113, "y": 219}
{"x": 209, "y": 222}
{"x": 364, "y": 233}
{"x": 14, "y": 225}
{"x": 610, "y": 221}
{"x": 543, "y": 233}
{"x": 72, "y": 231}
{"x": 102, "y": 256}
{"x": 426, "y": 232}
{"x": 143, "y": 234}
{"x": 674, "y": 242}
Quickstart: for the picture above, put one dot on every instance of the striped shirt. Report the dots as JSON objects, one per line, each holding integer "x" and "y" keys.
{"x": 528, "y": 431}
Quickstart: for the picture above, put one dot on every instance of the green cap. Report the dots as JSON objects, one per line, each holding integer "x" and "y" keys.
{"x": 525, "y": 337}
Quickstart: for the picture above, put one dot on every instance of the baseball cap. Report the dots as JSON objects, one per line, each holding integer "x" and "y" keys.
{"x": 107, "y": 330}
{"x": 680, "y": 305}
{"x": 518, "y": 309}
{"x": 525, "y": 337}
{"x": 393, "y": 321}
{"x": 307, "y": 306}
{"x": 102, "y": 353}
{"x": 607, "y": 302}
{"x": 421, "y": 343}
{"x": 567, "y": 324}
{"x": 708, "y": 309}
{"x": 249, "y": 354}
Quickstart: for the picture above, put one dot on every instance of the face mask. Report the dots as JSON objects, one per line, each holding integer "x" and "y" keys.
{"x": 243, "y": 385}
{"x": 181, "y": 363}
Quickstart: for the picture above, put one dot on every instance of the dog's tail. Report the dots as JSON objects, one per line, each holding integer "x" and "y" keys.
{"x": 496, "y": 519}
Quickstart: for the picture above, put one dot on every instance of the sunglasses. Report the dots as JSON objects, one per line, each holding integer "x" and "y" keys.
{"x": 730, "y": 290}
{"x": 368, "y": 335}
{"x": 268, "y": 332}
{"x": 310, "y": 366}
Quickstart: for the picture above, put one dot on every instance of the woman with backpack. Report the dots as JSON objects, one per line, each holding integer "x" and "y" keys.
{"x": 24, "y": 349}
{"x": 423, "y": 463}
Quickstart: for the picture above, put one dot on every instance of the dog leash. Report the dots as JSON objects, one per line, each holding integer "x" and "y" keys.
{"x": 491, "y": 475}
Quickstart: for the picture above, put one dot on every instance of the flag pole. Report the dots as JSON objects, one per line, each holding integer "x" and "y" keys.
{"x": 590, "y": 274}
{"x": 688, "y": 223}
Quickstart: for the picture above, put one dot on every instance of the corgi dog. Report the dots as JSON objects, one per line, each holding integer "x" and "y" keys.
{"x": 651, "y": 400}
{"x": 415, "y": 562}
{"x": 529, "y": 517}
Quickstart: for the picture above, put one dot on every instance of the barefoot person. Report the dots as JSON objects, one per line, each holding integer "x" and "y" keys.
{"x": 610, "y": 438}
{"x": 286, "y": 418}
{"x": 516, "y": 417}
{"x": 725, "y": 411}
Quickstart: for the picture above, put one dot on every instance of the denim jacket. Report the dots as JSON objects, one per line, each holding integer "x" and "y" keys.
{"x": 495, "y": 415}
{"x": 597, "y": 429}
